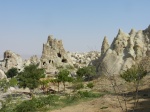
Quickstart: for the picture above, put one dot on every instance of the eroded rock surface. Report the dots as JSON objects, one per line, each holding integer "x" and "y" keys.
{"x": 10, "y": 60}
{"x": 125, "y": 50}
{"x": 54, "y": 55}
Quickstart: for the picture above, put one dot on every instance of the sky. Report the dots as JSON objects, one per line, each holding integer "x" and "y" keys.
{"x": 80, "y": 24}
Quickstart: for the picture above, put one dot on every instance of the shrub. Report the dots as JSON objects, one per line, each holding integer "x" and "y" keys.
{"x": 36, "y": 103}
{"x": 78, "y": 86}
{"x": 133, "y": 74}
{"x": 30, "y": 77}
{"x": 4, "y": 85}
{"x": 12, "y": 72}
{"x": 13, "y": 82}
{"x": 88, "y": 72}
{"x": 90, "y": 85}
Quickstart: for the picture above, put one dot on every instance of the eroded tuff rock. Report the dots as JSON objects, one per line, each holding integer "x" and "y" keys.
{"x": 105, "y": 46}
{"x": 33, "y": 60}
{"x": 10, "y": 60}
{"x": 54, "y": 55}
{"x": 84, "y": 59}
{"x": 2, "y": 74}
{"x": 125, "y": 50}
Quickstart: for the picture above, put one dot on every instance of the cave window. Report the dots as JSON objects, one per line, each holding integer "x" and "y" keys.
{"x": 8, "y": 56}
{"x": 59, "y": 55}
{"x": 52, "y": 61}
{"x": 49, "y": 61}
{"x": 43, "y": 63}
{"x": 64, "y": 60}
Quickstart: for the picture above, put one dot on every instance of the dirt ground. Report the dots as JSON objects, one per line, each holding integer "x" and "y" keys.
{"x": 109, "y": 102}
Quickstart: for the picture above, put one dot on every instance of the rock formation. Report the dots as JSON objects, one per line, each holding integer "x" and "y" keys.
{"x": 105, "y": 46}
{"x": 2, "y": 74}
{"x": 125, "y": 50}
{"x": 33, "y": 60}
{"x": 10, "y": 60}
{"x": 54, "y": 55}
{"x": 84, "y": 59}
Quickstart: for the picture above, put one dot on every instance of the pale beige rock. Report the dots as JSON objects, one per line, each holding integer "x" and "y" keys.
{"x": 125, "y": 51}
{"x": 10, "y": 60}
{"x": 54, "y": 55}
{"x": 105, "y": 45}
{"x": 2, "y": 74}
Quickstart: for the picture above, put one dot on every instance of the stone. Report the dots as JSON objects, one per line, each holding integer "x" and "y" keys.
{"x": 54, "y": 55}
{"x": 105, "y": 45}
{"x": 10, "y": 60}
{"x": 33, "y": 60}
{"x": 2, "y": 74}
{"x": 125, "y": 51}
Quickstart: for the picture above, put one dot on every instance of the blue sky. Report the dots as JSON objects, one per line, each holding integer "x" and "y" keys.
{"x": 81, "y": 24}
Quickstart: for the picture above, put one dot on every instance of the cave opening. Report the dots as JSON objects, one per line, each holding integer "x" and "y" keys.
{"x": 64, "y": 60}
{"x": 59, "y": 55}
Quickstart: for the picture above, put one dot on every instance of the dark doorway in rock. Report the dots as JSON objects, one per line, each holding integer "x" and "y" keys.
{"x": 64, "y": 60}
{"x": 43, "y": 63}
{"x": 49, "y": 61}
{"x": 59, "y": 55}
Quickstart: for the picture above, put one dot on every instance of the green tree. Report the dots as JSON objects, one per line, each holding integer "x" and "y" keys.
{"x": 12, "y": 72}
{"x": 63, "y": 76}
{"x": 4, "y": 85}
{"x": 56, "y": 81}
{"x": 134, "y": 74}
{"x": 30, "y": 77}
{"x": 86, "y": 72}
{"x": 13, "y": 82}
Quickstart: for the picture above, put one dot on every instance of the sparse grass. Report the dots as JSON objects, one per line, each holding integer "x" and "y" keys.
{"x": 50, "y": 102}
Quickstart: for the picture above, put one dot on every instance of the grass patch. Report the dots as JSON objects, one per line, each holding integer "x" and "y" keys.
{"x": 51, "y": 102}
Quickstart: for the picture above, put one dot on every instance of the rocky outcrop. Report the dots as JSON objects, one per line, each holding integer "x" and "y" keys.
{"x": 125, "y": 50}
{"x": 33, "y": 60}
{"x": 10, "y": 60}
{"x": 2, "y": 74}
{"x": 54, "y": 55}
{"x": 84, "y": 59}
{"x": 105, "y": 46}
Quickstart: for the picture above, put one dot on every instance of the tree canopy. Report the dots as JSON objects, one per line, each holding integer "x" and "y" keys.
{"x": 30, "y": 77}
{"x": 86, "y": 72}
{"x": 12, "y": 72}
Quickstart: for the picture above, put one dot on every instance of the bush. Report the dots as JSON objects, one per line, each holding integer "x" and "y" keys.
{"x": 90, "y": 85}
{"x": 12, "y": 72}
{"x": 13, "y": 82}
{"x": 133, "y": 74}
{"x": 30, "y": 77}
{"x": 4, "y": 85}
{"x": 87, "y": 73}
{"x": 36, "y": 103}
{"x": 78, "y": 86}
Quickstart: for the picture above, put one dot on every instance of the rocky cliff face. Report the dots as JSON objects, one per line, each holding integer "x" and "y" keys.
{"x": 125, "y": 50}
{"x": 54, "y": 55}
{"x": 10, "y": 60}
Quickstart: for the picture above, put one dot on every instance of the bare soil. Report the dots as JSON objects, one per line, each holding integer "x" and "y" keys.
{"x": 109, "y": 102}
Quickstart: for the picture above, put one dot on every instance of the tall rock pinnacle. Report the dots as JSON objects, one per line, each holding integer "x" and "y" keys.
{"x": 105, "y": 45}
